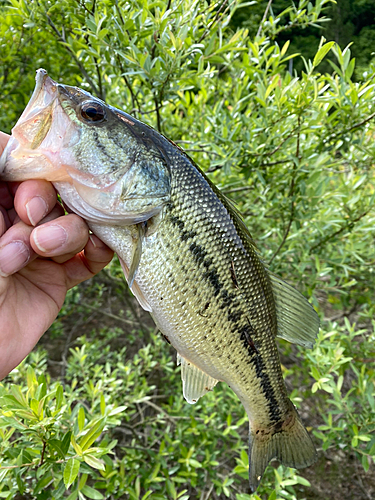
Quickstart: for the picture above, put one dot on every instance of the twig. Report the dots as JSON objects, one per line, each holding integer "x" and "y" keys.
{"x": 291, "y": 196}
{"x": 158, "y": 408}
{"x": 272, "y": 163}
{"x": 213, "y": 153}
{"x": 235, "y": 190}
{"x": 264, "y": 18}
{"x": 77, "y": 61}
{"x": 209, "y": 492}
{"x": 357, "y": 125}
{"x": 215, "y": 19}
{"x": 66, "y": 347}
{"x": 101, "y": 88}
{"x": 348, "y": 225}
{"x": 157, "y": 107}
{"x": 133, "y": 96}
{"x": 110, "y": 315}
{"x": 42, "y": 454}
{"x": 277, "y": 147}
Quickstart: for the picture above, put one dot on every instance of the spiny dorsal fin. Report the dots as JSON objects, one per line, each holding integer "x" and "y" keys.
{"x": 297, "y": 321}
{"x": 195, "y": 383}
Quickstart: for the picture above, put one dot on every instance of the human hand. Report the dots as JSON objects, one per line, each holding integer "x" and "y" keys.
{"x": 39, "y": 264}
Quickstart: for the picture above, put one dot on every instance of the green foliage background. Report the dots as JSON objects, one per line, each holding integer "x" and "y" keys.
{"x": 97, "y": 411}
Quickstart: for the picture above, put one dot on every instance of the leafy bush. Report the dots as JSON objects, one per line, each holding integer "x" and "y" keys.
{"x": 296, "y": 156}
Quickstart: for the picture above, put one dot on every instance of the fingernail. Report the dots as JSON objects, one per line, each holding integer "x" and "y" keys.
{"x": 92, "y": 241}
{"x": 49, "y": 238}
{"x": 13, "y": 257}
{"x": 36, "y": 209}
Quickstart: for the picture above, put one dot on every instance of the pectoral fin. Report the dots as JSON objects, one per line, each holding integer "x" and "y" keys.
{"x": 297, "y": 321}
{"x": 137, "y": 292}
{"x": 195, "y": 382}
{"x": 137, "y": 236}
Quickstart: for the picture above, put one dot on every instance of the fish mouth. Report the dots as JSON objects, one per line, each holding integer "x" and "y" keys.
{"x": 35, "y": 138}
{"x": 35, "y": 115}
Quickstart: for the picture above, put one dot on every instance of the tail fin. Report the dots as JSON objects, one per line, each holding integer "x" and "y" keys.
{"x": 287, "y": 441}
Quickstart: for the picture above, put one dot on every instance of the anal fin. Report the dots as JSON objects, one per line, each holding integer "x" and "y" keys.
{"x": 195, "y": 382}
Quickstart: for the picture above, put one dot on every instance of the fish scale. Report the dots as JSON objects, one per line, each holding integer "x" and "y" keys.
{"x": 178, "y": 293}
{"x": 185, "y": 251}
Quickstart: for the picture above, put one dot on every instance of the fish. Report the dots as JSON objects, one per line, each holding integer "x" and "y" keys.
{"x": 185, "y": 251}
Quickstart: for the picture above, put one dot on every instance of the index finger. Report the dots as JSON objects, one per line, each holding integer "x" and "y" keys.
{"x": 33, "y": 200}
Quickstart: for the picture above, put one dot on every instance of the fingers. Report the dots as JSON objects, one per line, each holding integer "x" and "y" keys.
{"x": 83, "y": 266}
{"x": 34, "y": 200}
{"x": 60, "y": 238}
{"x": 6, "y": 200}
{"x": 15, "y": 250}
{"x": 44, "y": 231}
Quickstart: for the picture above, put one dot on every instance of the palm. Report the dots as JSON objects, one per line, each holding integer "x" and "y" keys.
{"x": 34, "y": 279}
{"x": 29, "y": 302}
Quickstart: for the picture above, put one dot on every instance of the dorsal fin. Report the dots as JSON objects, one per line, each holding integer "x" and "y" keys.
{"x": 297, "y": 321}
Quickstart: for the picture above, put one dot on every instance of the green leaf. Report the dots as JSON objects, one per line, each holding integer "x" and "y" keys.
{"x": 57, "y": 446}
{"x": 91, "y": 493}
{"x": 322, "y": 52}
{"x": 94, "y": 462}
{"x": 59, "y": 396}
{"x": 81, "y": 418}
{"x": 92, "y": 434}
{"x": 71, "y": 471}
{"x": 65, "y": 443}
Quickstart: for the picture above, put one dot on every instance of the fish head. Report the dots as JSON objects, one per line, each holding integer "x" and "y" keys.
{"x": 106, "y": 165}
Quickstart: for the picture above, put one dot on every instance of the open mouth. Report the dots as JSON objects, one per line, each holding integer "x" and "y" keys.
{"x": 37, "y": 137}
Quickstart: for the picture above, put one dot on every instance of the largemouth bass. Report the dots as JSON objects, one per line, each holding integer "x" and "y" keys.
{"x": 185, "y": 251}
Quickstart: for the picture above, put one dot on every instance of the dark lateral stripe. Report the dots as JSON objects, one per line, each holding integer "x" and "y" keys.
{"x": 267, "y": 388}
{"x": 246, "y": 333}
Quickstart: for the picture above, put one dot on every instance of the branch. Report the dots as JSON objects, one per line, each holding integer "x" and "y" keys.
{"x": 357, "y": 125}
{"x": 279, "y": 146}
{"x": 264, "y": 18}
{"x": 157, "y": 107}
{"x": 133, "y": 96}
{"x": 61, "y": 38}
{"x": 348, "y": 225}
{"x": 235, "y": 190}
{"x": 215, "y": 19}
{"x": 291, "y": 195}
{"x": 110, "y": 315}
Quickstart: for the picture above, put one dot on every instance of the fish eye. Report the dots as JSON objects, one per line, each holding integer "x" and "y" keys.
{"x": 92, "y": 111}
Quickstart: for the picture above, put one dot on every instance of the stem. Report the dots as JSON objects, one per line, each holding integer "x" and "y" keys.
{"x": 42, "y": 455}
{"x": 291, "y": 195}
{"x": 157, "y": 107}
{"x": 264, "y": 18}
{"x": 61, "y": 38}
{"x": 348, "y": 225}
